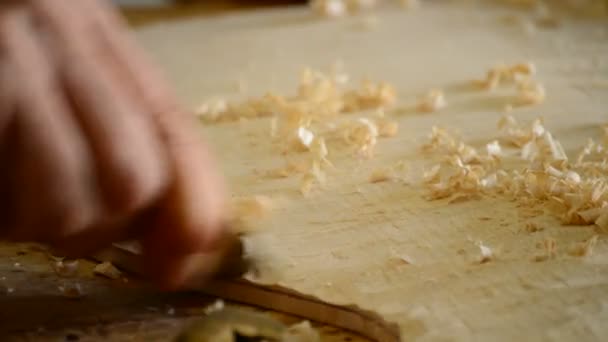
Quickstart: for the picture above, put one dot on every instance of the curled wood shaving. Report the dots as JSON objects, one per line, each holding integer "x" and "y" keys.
{"x": 585, "y": 248}
{"x": 530, "y": 93}
{"x": 494, "y": 149}
{"x": 382, "y": 175}
{"x": 387, "y": 128}
{"x": 361, "y": 134}
{"x": 503, "y": 73}
{"x": 305, "y": 136}
{"x": 107, "y": 270}
{"x": 486, "y": 253}
{"x": 463, "y": 171}
{"x": 549, "y": 247}
{"x": 306, "y": 184}
{"x": 289, "y": 169}
{"x": 433, "y": 101}
{"x": 370, "y": 95}
{"x": 577, "y": 192}
{"x": 533, "y": 227}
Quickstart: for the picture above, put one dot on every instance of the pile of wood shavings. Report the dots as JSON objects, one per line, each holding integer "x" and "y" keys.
{"x": 303, "y": 123}
{"x": 317, "y": 98}
{"x": 529, "y": 91}
{"x": 576, "y": 191}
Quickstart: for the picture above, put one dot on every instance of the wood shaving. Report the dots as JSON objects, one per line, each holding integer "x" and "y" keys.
{"x": 216, "y": 306}
{"x": 549, "y": 247}
{"x": 370, "y": 95}
{"x": 387, "y": 129}
{"x": 585, "y": 248}
{"x": 530, "y": 93}
{"x": 257, "y": 206}
{"x": 433, "y": 101}
{"x": 362, "y": 134}
{"x": 463, "y": 171}
{"x": 382, "y": 175}
{"x": 577, "y": 193}
{"x": 108, "y": 270}
{"x": 65, "y": 268}
{"x": 329, "y": 8}
{"x": 486, "y": 253}
{"x": 289, "y": 169}
{"x": 305, "y": 137}
{"x": 502, "y": 73}
{"x": 302, "y": 332}
{"x": 302, "y": 122}
{"x": 211, "y": 110}
{"x": 71, "y": 290}
{"x": 306, "y": 184}
{"x": 494, "y": 149}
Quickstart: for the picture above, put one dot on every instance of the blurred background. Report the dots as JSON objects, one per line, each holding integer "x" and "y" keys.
{"x": 140, "y": 12}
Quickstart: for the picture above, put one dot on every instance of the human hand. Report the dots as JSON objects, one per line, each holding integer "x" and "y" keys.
{"x": 93, "y": 146}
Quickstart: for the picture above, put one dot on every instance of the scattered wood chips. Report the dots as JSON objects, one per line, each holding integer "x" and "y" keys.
{"x": 585, "y": 248}
{"x": 106, "y": 269}
{"x": 382, "y": 175}
{"x": 529, "y": 91}
{"x": 432, "y": 101}
{"x": 549, "y": 247}
{"x": 487, "y": 254}
{"x": 543, "y": 175}
{"x": 303, "y": 123}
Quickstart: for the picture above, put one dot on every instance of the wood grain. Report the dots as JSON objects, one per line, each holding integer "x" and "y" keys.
{"x": 344, "y": 243}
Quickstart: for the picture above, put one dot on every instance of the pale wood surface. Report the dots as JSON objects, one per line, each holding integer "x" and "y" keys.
{"x": 341, "y": 243}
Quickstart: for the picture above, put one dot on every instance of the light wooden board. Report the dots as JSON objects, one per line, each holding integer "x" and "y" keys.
{"x": 341, "y": 243}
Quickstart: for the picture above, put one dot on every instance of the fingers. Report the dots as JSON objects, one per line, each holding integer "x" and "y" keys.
{"x": 50, "y": 162}
{"x": 129, "y": 156}
{"x": 193, "y": 213}
{"x": 143, "y": 78}
{"x": 7, "y": 95}
{"x": 118, "y": 131}
{"x": 175, "y": 271}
